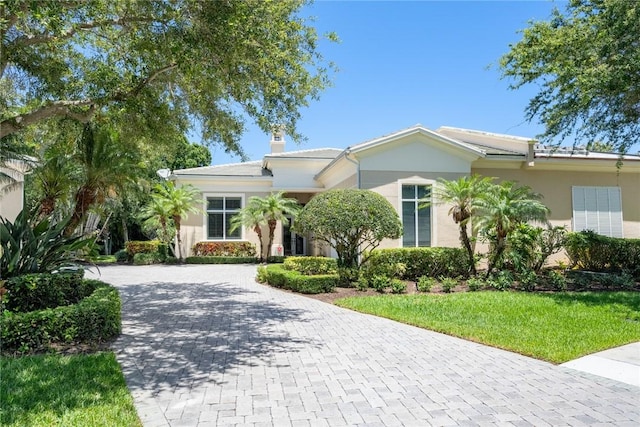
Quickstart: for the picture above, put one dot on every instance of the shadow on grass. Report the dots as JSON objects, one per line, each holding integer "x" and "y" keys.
{"x": 39, "y": 390}
{"x": 628, "y": 299}
{"x": 179, "y": 334}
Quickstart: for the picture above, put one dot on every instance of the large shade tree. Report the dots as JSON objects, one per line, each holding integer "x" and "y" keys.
{"x": 352, "y": 221}
{"x": 159, "y": 67}
{"x": 586, "y": 63}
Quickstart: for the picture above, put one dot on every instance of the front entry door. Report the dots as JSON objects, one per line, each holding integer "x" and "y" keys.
{"x": 294, "y": 244}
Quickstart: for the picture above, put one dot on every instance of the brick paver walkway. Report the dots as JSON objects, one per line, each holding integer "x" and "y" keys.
{"x": 207, "y": 346}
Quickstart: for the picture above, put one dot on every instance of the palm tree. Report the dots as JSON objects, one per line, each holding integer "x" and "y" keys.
{"x": 274, "y": 208}
{"x": 251, "y": 216}
{"x": 56, "y": 178}
{"x": 179, "y": 202}
{"x": 500, "y": 209}
{"x": 107, "y": 167}
{"x": 156, "y": 213}
{"x": 462, "y": 195}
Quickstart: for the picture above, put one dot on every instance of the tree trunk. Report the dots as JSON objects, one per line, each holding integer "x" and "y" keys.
{"x": 464, "y": 238}
{"x": 85, "y": 196}
{"x": 258, "y": 231}
{"x": 176, "y": 221}
{"x": 272, "y": 231}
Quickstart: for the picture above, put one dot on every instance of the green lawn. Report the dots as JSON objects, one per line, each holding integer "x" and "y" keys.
{"x": 50, "y": 390}
{"x": 556, "y": 327}
{"x": 104, "y": 259}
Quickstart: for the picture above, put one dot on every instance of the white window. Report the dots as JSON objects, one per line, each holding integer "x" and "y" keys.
{"x": 220, "y": 210}
{"x": 416, "y": 221}
{"x": 598, "y": 209}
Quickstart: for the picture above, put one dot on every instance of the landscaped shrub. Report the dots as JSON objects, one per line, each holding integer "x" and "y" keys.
{"x": 528, "y": 280}
{"x": 148, "y": 258}
{"x": 122, "y": 255}
{"x": 590, "y": 251}
{"x": 556, "y": 280}
{"x": 276, "y": 275}
{"x": 379, "y": 282}
{"x": 475, "y": 284}
{"x": 39, "y": 291}
{"x": 417, "y": 262}
{"x": 584, "y": 280}
{"x": 220, "y": 260}
{"x": 92, "y": 320}
{"x": 134, "y": 247}
{"x": 397, "y": 286}
{"x": 426, "y": 283}
{"x": 448, "y": 283}
{"x": 501, "y": 280}
{"x": 310, "y": 266}
{"x": 224, "y": 249}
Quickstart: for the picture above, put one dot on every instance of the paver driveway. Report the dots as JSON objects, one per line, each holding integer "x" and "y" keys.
{"x": 206, "y": 345}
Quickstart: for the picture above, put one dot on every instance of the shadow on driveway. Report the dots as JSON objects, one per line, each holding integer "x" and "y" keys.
{"x": 182, "y": 335}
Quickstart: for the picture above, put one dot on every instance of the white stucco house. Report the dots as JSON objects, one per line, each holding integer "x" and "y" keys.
{"x": 584, "y": 190}
{"x": 12, "y": 189}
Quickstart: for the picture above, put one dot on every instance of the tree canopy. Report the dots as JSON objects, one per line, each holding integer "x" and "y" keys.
{"x": 351, "y": 221}
{"x": 586, "y": 63}
{"x": 159, "y": 67}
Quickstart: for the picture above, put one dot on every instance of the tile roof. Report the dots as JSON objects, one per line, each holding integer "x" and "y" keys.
{"x": 253, "y": 168}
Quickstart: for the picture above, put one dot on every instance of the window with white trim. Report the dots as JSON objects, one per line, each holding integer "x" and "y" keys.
{"x": 598, "y": 209}
{"x": 220, "y": 211}
{"x": 416, "y": 220}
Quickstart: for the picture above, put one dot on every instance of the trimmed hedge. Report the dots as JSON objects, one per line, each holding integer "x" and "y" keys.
{"x": 311, "y": 265}
{"x": 134, "y": 247}
{"x": 93, "y": 320}
{"x": 148, "y": 258}
{"x": 224, "y": 249}
{"x": 220, "y": 260}
{"x": 594, "y": 252}
{"x": 417, "y": 262}
{"x": 38, "y": 291}
{"x": 276, "y": 275}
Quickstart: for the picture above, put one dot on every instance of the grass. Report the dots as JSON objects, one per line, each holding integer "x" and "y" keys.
{"x": 104, "y": 259}
{"x": 556, "y": 327}
{"x": 80, "y": 390}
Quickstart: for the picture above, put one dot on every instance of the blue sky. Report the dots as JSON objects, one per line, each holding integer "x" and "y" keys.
{"x": 403, "y": 63}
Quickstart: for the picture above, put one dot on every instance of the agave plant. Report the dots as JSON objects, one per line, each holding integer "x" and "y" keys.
{"x": 30, "y": 245}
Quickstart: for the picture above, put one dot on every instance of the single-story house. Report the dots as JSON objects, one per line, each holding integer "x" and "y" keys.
{"x": 584, "y": 190}
{"x": 12, "y": 189}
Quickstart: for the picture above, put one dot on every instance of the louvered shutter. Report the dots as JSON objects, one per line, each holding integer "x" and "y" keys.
{"x": 598, "y": 209}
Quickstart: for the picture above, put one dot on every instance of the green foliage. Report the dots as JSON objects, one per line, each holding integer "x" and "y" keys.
{"x": 74, "y": 391}
{"x": 590, "y": 251}
{"x": 500, "y": 210}
{"x": 189, "y": 155}
{"x": 148, "y": 258}
{"x": 587, "y": 280}
{"x": 528, "y": 280}
{"x": 426, "y": 283}
{"x": 310, "y": 266}
{"x": 557, "y": 280}
{"x": 586, "y": 64}
{"x": 268, "y": 210}
{"x": 462, "y": 194}
{"x": 397, "y": 286}
{"x": 30, "y": 245}
{"x": 379, "y": 282}
{"x": 38, "y": 291}
{"x": 94, "y": 319}
{"x": 501, "y": 280}
{"x": 261, "y": 274}
{"x": 529, "y": 247}
{"x": 351, "y": 221}
{"x": 348, "y": 276}
{"x": 220, "y": 260}
{"x": 362, "y": 284}
{"x": 448, "y": 283}
{"x": 417, "y": 262}
{"x": 277, "y": 276}
{"x": 171, "y": 260}
{"x": 160, "y": 69}
{"x": 224, "y": 249}
{"x": 475, "y": 284}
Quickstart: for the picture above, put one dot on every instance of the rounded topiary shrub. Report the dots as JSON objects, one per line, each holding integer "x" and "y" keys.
{"x": 47, "y": 310}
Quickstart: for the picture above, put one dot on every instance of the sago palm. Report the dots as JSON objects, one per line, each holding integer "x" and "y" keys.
{"x": 461, "y": 195}
{"x": 501, "y": 209}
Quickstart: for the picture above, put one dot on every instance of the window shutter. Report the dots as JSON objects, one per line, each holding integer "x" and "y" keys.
{"x": 598, "y": 209}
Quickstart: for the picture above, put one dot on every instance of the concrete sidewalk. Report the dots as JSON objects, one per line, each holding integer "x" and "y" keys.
{"x": 207, "y": 346}
{"x": 620, "y": 364}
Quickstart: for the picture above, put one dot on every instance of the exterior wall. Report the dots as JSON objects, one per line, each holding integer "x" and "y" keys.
{"x": 11, "y": 202}
{"x": 389, "y": 184}
{"x": 556, "y": 188}
{"x": 291, "y": 174}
